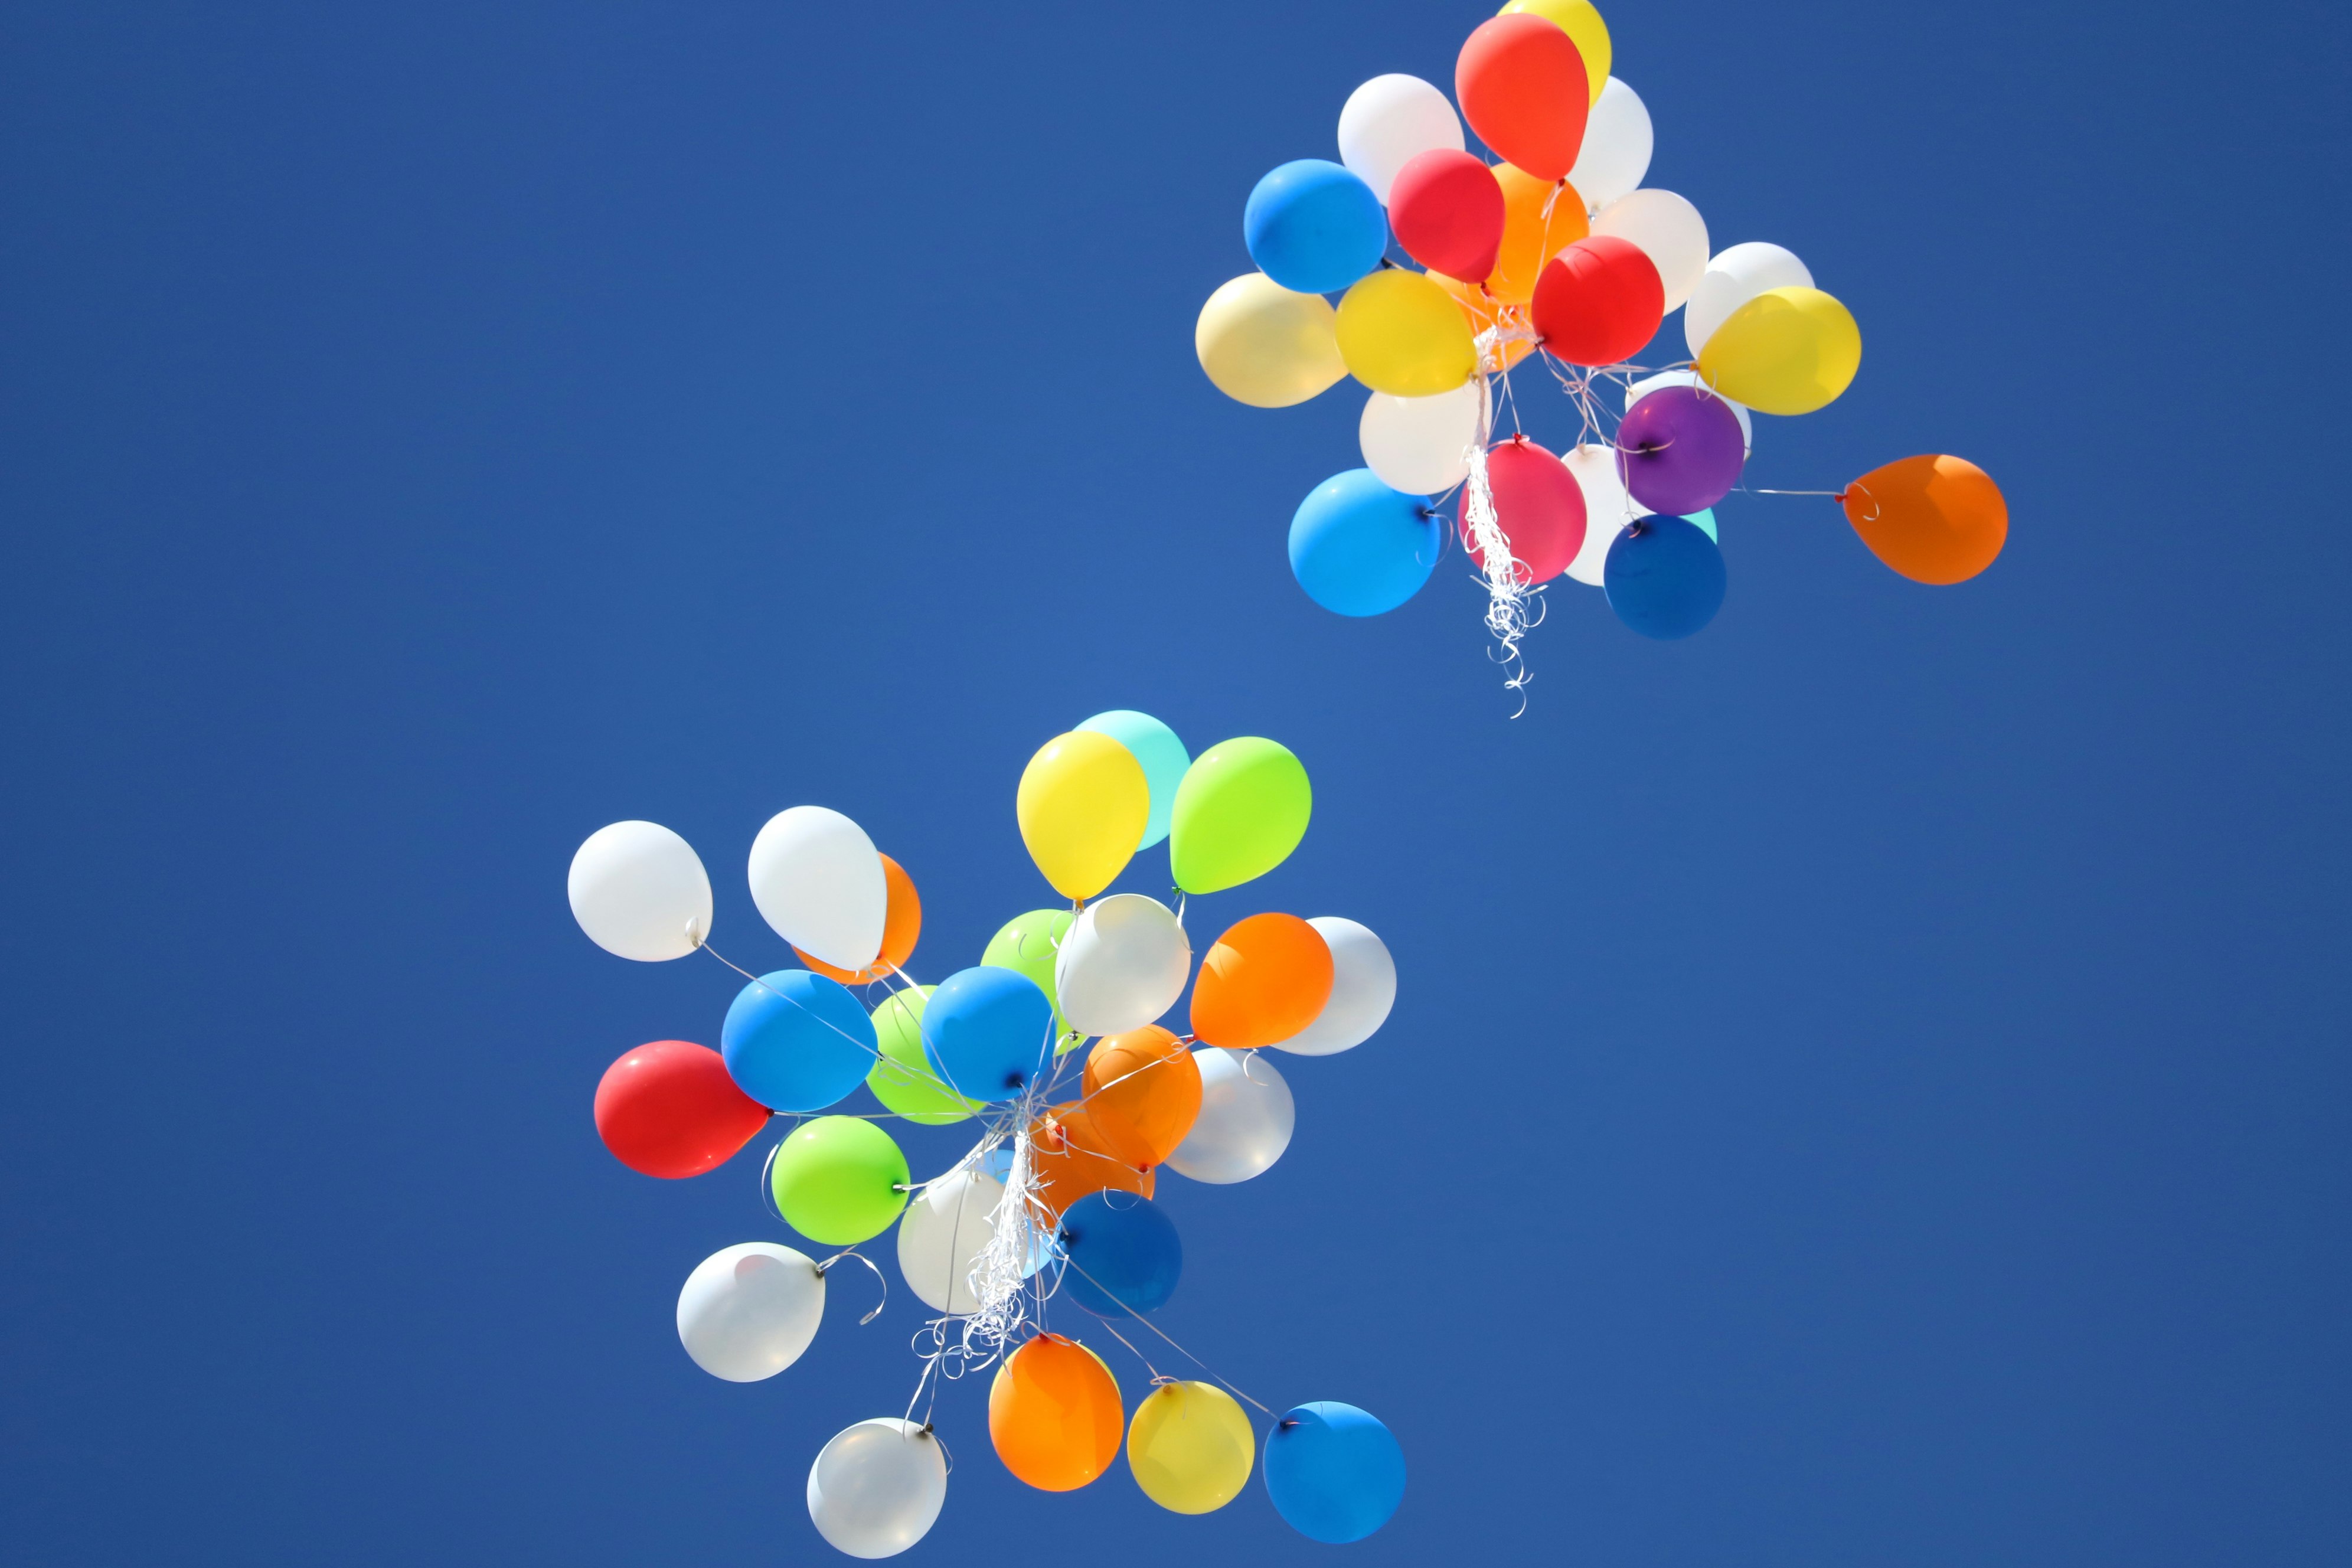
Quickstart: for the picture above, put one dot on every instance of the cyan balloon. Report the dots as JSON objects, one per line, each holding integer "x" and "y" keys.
{"x": 1335, "y": 1473}
{"x": 1163, "y": 757}
{"x": 988, "y": 1032}
{"x": 1314, "y": 227}
{"x": 1664, "y": 577}
{"x": 1359, "y": 548}
{"x": 797, "y": 1041}
{"x": 1705, "y": 522}
{"x": 1125, "y": 1256}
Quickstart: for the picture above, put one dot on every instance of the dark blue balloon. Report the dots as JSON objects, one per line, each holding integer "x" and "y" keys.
{"x": 1124, "y": 1254}
{"x": 1314, "y": 227}
{"x": 988, "y": 1032}
{"x": 1361, "y": 548}
{"x": 1335, "y": 1473}
{"x": 1663, "y": 576}
{"x": 797, "y": 1041}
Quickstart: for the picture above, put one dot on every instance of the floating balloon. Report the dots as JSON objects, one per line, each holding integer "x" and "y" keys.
{"x": 797, "y": 1041}
{"x": 1334, "y": 1473}
{"x": 1502, "y": 333}
{"x": 988, "y": 1032}
{"x": 1636, "y": 391}
{"x": 1665, "y": 578}
{"x": 1074, "y": 1158}
{"x": 1598, "y": 302}
{"x": 1313, "y": 227}
{"x": 639, "y": 891}
{"x": 1390, "y": 121}
{"x": 1401, "y": 333}
{"x": 1447, "y": 212}
{"x": 1733, "y": 278}
{"x": 1124, "y": 1255}
{"x": 1266, "y": 979}
{"x": 1142, "y": 1093}
{"x": 1540, "y": 219}
{"x": 877, "y": 1489}
{"x": 817, "y": 881}
{"x": 1523, "y": 87}
{"x": 1668, "y": 229}
{"x": 946, "y": 1229}
{"x": 1422, "y": 446}
{"x": 1031, "y": 944}
{"x": 1083, "y": 806}
{"x": 1583, "y": 26}
{"x": 1537, "y": 506}
{"x": 1363, "y": 989}
{"x": 1241, "y": 810}
{"x": 1190, "y": 1447}
{"x": 903, "y": 1080}
{"x": 1607, "y": 508}
{"x": 1265, "y": 345}
{"x": 902, "y": 922}
{"x": 1161, "y": 754}
{"x": 1053, "y": 1414}
{"x": 1932, "y": 518}
{"x": 1787, "y": 351}
{"x": 1245, "y": 1121}
{"x": 670, "y": 1110}
{"x": 838, "y": 1180}
{"x": 1359, "y": 548}
{"x": 1618, "y": 141}
{"x": 1680, "y": 450}
{"x": 1705, "y": 522}
{"x": 748, "y": 1311}
{"x": 1123, "y": 965}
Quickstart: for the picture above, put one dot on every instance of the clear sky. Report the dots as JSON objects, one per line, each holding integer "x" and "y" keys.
{"x": 1869, "y": 1084}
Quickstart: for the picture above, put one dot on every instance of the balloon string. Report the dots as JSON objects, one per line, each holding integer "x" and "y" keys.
{"x": 853, "y": 1252}
{"x": 1155, "y": 1329}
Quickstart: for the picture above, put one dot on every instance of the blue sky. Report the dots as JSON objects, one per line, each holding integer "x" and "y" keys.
{"x": 1868, "y": 1083}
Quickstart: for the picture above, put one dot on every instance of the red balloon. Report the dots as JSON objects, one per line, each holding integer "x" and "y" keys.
{"x": 1598, "y": 301}
{"x": 1446, "y": 208}
{"x": 1538, "y": 505}
{"x": 669, "y": 1109}
{"x": 1522, "y": 86}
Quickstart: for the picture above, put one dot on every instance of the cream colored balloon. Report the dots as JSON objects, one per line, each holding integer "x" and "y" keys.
{"x": 1618, "y": 142}
{"x": 1670, "y": 233}
{"x": 1266, "y": 346}
{"x": 1607, "y": 508}
{"x": 1422, "y": 446}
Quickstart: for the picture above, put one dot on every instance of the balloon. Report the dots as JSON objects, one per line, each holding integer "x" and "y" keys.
{"x": 748, "y": 1311}
{"x": 1523, "y": 87}
{"x": 1314, "y": 227}
{"x": 1123, "y": 965}
{"x": 1732, "y": 279}
{"x": 1787, "y": 351}
{"x": 1190, "y": 1447}
{"x": 797, "y": 1041}
{"x": 947, "y": 1226}
{"x": 1617, "y": 145}
{"x": 1583, "y": 25}
{"x": 1501, "y": 331}
{"x": 1422, "y": 446}
{"x": 1266, "y": 346}
{"x": 902, "y": 922}
{"x": 1540, "y": 219}
{"x": 1053, "y": 1414}
{"x": 1363, "y": 989}
{"x": 1669, "y": 229}
{"x": 1932, "y": 518}
{"x": 1665, "y": 577}
{"x": 1447, "y": 212}
{"x": 669, "y": 1109}
{"x": 1680, "y": 450}
{"x": 1030, "y": 944}
{"x": 1598, "y": 302}
{"x": 1359, "y": 548}
{"x": 1638, "y": 390}
{"x": 876, "y": 1488}
{"x": 1123, "y": 1252}
{"x": 1333, "y": 1472}
{"x": 1072, "y": 1158}
{"x": 1705, "y": 522}
{"x": 1390, "y": 121}
{"x": 639, "y": 891}
{"x": 1142, "y": 1092}
{"x": 1537, "y": 506}
{"x": 1083, "y": 805}
{"x": 1402, "y": 334}
{"x": 988, "y": 1032}
{"x": 1266, "y": 979}
{"x": 1607, "y": 508}
{"x": 1245, "y": 1121}
{"x": 1161, "y": 753}
{"x": 838, "y": 1180}
{"x": 818, "y": 881}
{"x": 1242, "y": 809}
{"x": 903, "y": 1080}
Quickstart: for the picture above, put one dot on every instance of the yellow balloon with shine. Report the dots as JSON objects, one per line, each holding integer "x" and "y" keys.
{"x": 1190, "y": 1447}
{"x": 1083, "y": 805}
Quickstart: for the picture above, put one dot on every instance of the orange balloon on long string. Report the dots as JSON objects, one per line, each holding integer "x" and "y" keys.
{"x": 1266, "y": 979}
{"x": 1142, "y": 1093}
{"x": 902, "y": 922}
{"x": 1054, "y": 1415}
{"x": 1933, "y": 519}
{"x": 1073, "y": 1159}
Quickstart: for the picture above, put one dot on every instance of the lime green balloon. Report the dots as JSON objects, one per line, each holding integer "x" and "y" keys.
{"x": 1242, "y": 809}
{"x": 839, "y": 1180}
{"x": 1029, "y": 944}
{"x": 903, "y": 1080}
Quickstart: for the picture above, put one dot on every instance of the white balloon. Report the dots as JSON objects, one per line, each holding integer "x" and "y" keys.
{"x": 1735, "y": 276}
{"x": 1245, "y": 1121}
{"x": 1669, "y": 231}
{"x": 947, "y": 1226}
{"x": 1390, "y": 121}
{"x": 1122, "y": 963}
{"x": 1617, "y": 145}
{"x": 1607, "y": 508}
{"x": 1665, "y": 378}
{"x": 817, "y": 880}
{"x": 639, "y": 891}
{"x": 876, "y": 1489}
{"x": 1363, "y": 989}
{"x": 1422, "y": 446}
{"x": 749, "y": 1310}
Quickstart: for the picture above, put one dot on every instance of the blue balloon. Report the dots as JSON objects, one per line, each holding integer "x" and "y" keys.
{"x": 797, "y": 1041}
{"x": 1335, "y": 1474}
{"x": 988, "y": 1032}
{"x": 1361, "y": 548}
{"x": 1124, "y": 1254}
{"x": 1664, "y": 577}
{"x": 1314, "y": 227}
{"x": 1163, "y": 757}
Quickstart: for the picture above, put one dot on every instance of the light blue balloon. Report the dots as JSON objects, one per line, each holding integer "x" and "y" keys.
{"x": 797, "y": 1041}
{"x": 1359, "y": 548}
{"x": 1314, "y": 227}
{"x": 988, "y": 1032}
{"x": 1163, "y": 757}
{"x": 1334, "y": 1473}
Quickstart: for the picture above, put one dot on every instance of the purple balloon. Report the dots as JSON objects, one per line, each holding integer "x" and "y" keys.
{"x": 1679, "y": 451}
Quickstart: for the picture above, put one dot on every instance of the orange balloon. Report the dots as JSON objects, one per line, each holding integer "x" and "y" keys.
{"x": 1054, "y": 1415}
{"x": 1264, "y": 980}
{"x": 1072, "y": 1158}
{"x": 902, "y": 922}
{"x": 1507, "y": 348}
{"x": 1540, "y": 219}
{"x": 1933, "y": 519}
{"x": 1142, "y": 1091}
{"x": 1522, "y": 85}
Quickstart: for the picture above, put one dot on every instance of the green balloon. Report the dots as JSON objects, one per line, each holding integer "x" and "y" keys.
{"x": 1242, "y": 809}
{"x": 1029, "y": 944}
{"x": 903, "y": 1080}
{"x": 838, "y": 1180}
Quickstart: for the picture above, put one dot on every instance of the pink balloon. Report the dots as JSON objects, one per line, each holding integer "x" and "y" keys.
{"x": 1538, "y": 505}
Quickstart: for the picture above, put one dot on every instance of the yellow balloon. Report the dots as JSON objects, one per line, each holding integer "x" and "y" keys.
{"x": 1540, "y": 219}
{"x": 1190, "y": 1447}
{"x": 1787, "y": 351}
{"x": 1266, "y": 346}
{"x": 1402, "y": 334}
{"x": 1582, "y": 23}
{"x": 1081, "y": 806}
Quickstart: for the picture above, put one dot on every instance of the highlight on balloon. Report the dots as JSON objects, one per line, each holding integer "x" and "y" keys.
{"x": 1058, "y": 1054}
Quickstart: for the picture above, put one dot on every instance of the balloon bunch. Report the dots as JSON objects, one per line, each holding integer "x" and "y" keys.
{"x": 1053, "y": 1199}
{"x": 1558, "y": 250}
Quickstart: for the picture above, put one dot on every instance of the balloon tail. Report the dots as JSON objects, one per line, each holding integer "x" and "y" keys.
{"x": 1513, "y": 605}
